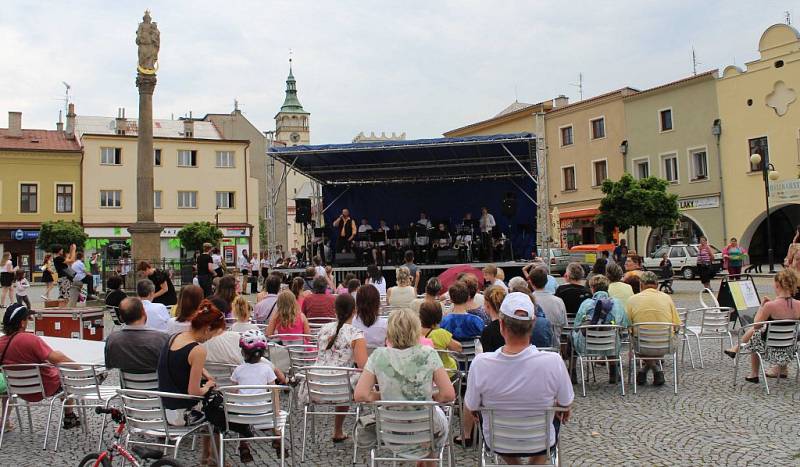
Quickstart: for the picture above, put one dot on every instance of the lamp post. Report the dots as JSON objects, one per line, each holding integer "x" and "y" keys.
{"x": 216, "y": 217}
{"x": 768, "y": 173}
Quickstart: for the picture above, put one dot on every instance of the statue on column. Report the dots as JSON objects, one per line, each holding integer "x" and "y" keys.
{"x": 149, "y": 40}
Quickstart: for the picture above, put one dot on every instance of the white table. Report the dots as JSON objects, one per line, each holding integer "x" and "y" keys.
{"x": 79, "y": 350}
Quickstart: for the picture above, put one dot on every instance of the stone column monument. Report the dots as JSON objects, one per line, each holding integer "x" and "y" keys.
{"x": 146, "y": 233}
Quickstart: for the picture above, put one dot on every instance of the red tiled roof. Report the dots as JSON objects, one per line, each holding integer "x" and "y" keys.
{"x": 701, "y": 76}
{"x": 41, "y": 140}
{"x": 621, "y": 91}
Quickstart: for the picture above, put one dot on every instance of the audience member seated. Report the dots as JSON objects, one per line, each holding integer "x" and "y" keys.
{"x": 224, "y": 294}
{"x": 407, "y": 371}
{"x": 430, "y": 315}
{"x": 165, "y": 291}
{"x": 552, "y": 306}
{"x": 432, "y": 289}
{"x": 287, "y": 318}
{"x": 552, "y": 283}
{"x": 517, "y": 378}
{"x": 490, "y": 277}
{"x": 403, "y": 293}
{"x": 462, "y": 325}
{"x": 157, "y": 314}
{"x": 367, "y": 320}
{"x": 782, "y": 307}
{"x": 320, "y": 303}
{"x": 491, "y": 339}
{"x": 542, "y": 335}
{"x": 573, "y": 293}
{"x": 651, "y": 306}
{"x": 181, "y": 366}
{"x": 188, "y": 303}
{"x": 342, "y": 345}
{"x": 616, "y": 288}
{"x": 135, "y": 348}
{"x": 343, "y": 288}
{"x": 375, "y": 278}
{"x": 473, "y": 305}
{"x": 115, "y": 293}
{"x": 266, "y": 303}
{"x": 242, "y": 314}
{"x": 600, "y": 309}
{"x": 21, "y": 347}
{"x": 633, "y": 280}
{"x": 352, "y": 287}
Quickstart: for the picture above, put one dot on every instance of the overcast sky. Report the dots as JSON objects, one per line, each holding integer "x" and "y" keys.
{"x": 423, "y": 67}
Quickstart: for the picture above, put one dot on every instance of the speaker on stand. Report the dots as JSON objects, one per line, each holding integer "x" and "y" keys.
{"x": 302, "y": 216}
{"x": 509, "y": 209}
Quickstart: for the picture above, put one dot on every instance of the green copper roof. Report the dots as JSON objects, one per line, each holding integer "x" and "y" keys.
{"x": 291, "y": 104}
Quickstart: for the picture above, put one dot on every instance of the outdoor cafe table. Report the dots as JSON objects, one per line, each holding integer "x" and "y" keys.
{"x": 79, "y": 350}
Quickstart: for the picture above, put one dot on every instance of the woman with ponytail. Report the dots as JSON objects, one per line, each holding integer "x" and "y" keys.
{"x": 342, "y": 345}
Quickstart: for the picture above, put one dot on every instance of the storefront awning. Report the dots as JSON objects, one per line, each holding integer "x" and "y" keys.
{"x": 580, "y": 213}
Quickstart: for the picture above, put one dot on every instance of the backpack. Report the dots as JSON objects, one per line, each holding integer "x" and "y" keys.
{"x": 214, "y": 409}
{"x": 602, "y": 312}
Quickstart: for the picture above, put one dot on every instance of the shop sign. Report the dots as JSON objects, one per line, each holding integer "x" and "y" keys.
{"x": 170, "y": 232}
{"x": 236, "y": 232}
{"x": 20, "y": 235}
{"x": 699, "y": 203}
{"x": 785, "y": 190}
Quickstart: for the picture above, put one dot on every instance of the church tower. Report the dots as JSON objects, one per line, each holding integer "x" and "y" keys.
{"x": 292, "y": 122}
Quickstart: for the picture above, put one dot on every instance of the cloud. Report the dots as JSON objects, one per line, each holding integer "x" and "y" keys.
{"x": 413, "y": 66}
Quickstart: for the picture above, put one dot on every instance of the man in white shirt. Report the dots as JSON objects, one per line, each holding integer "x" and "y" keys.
{"x": 157, "y": 314}
{"x": 553, "y": 306}
{"x": 487, "y": 224}
{"x": 243, "y": 264}
{"x": 518, "y": 379}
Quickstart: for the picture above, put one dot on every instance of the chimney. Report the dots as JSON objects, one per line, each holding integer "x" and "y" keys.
{"x": 560, "y": 101}
{"x": 60, "y": 123}
{"x": 70, "y": 131}
{"x": 121, "y": 122}
{"x": 14, "y": 124}
{"x": 188, "y": 128}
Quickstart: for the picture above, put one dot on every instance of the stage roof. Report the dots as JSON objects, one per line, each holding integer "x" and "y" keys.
{"x": 439, "y": 159}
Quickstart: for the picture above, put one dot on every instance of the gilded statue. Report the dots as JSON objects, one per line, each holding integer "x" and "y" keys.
{"x": 149, "y": 40}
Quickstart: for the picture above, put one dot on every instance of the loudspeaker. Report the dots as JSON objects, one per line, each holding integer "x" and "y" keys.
{"x": 345, "y": 259}
{"x": 302, "y": 210}
{"x": 447, "y": 256}
{"x": 509, "y": 205}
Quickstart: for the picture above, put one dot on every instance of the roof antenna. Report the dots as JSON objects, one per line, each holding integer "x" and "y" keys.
{"x": 516, "y": 97}
{"x": 788, "y": 17}
{"x": 694, "y": 62}
{"x": 579, "y": 85}
{"x": 235, "y": 105}
{"x": 66, "y": 96}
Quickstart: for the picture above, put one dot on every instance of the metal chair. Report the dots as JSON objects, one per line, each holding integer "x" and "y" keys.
{"x": 146, "y": 418}
{"x": 259, "y": 407}
{"x": 406, "y": 432}
{"x": 113, "y": 313}
{"x": 221, "y": 372}
{"x": 26, "y": 380}
{"x": 315, "y": 324}
{"x": 654, "y": 341}
{"x": 519, "y": 433}
{"x": 301, "y": 356}
{"x": 144, "y": 381}
{"x": 328, "y": 386}
{"x": 778, "y": 334}
{"x": 294, "y": 339}
{"x": 683, "y": 315}
{"x": 714, "y": 324}
{"x": 83, "y": 385}
{"x": 708, "y": 292}
{"x": 603, "y": 343}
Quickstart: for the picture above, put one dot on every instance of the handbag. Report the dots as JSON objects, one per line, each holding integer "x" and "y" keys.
{"x": 69, "y": 273}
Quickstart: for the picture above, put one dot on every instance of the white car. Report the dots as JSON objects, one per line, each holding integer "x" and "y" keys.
{"x": 683, "y": 258}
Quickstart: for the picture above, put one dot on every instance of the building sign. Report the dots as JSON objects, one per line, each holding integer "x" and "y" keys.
{"x": 170, "y": 232}
{"x": 786, "y": 190}
{"x": 236, "y": 232}
{"x": 699, "y": 203}
{"x": 20, "y": 235}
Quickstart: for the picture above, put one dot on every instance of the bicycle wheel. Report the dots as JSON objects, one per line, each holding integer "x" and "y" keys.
{"x": 166, "y": 463}
{"x": 91, "y": 460}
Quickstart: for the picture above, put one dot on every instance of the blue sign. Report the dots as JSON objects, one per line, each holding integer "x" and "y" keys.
{"x": 20, "y": 234}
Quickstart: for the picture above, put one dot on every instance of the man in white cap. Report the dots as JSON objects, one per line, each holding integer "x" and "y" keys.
{"x": 517, "y": 378}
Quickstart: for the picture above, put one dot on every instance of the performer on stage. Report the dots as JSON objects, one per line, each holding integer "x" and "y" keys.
{"x": 487, "y": 224}
{"x": 442, "y": 241}
{"x": 363, "y": 246}
{"x": 347, "y": 231}
{"x": 422, "y": 241}
{"x": 379, "y": 248}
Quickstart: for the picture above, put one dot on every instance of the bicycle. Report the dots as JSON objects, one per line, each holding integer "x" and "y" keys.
{"x": 105, "y": 458}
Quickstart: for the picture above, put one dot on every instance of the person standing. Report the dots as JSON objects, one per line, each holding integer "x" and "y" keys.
{"x": 347, "y": 231}
{"x": 621, "y": 252}
{"x": 243, "y": 265}
{"x": 733, "y": 256}
{"x": 705, "y": 258}
{"x": 165, "y": 290}
{"x": 6, "y": 279}
{"x": 21, "y": 288}
{"x": 487, "y": 223}
{"x": 254, "y": 267}
{"x": 63, "y": 265}
{"x": 216, "y": 258}
{"x": 125, "y": 266}
{"x": 792, "y": 259}
{"x": 48, "y": 276}
{"x": 205, "y": 270}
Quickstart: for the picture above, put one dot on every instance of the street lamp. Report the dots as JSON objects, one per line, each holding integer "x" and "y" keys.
{"x": 768, "y": 173}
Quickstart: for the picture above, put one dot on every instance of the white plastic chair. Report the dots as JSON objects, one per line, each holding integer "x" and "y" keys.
{"x": 683, "y": 315}
{"x": 83, "y": 384}
{"x": 221, "y": 372}
{"x": 406, "y": 432}
{"x": 143, "y": 381}
{"x": 714, "y": 325}
{"x": 603, "y": 343}
{"x": 519, "y": 433}
{"x": 260, "y": 409}
{"x": 780, "y": 334}
{"x": 26, "y": 380}
{"x": 654, "y": 341}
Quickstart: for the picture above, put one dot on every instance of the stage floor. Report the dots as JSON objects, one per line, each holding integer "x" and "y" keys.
{"x": 422, "y": 267}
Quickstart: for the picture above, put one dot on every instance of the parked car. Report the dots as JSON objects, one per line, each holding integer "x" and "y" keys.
{"x": 683, "y": 258}
{"x": 557, "y": 259}
{"x": 588, "y": 254}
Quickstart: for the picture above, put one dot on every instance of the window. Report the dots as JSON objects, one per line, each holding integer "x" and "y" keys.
{"x": 64, "y": 198}
{"x": 599, "y": 128}
{"x": 187, "y": 158}
{"x": 111, "y": 156}
{"x": 29, "y": 198}
{"x": 758, "y": 146}
{"x": 157, "y": 157}
{"x": 641, "y": 168}
{"x": 699, "y": 164}
{"x": 600, "y": 172}
{"x": 670, "y": 170}
{"x": 110, "y": 198}
{"x": 665, "y": 119}
{"x": 225, "y": 200}
{"x": 224, "y": 158}
{"x": 187, "y": 199}
{"x": 566, "y": 136}
{"x": 677, "y": 253}
{"x": 157, "y": 199}
{"x": 568, "y": 178}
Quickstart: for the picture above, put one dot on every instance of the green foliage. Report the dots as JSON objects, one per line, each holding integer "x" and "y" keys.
{"x": 61, "y": 233}
{"x": 193, "y": 235}
{"x": 629, "y": 203}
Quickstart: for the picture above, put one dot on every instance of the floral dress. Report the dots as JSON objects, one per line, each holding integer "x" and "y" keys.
{"x": 780, "y": 356}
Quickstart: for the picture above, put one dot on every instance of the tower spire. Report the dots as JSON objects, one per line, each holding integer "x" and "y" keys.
{"x": 291, "y": 103}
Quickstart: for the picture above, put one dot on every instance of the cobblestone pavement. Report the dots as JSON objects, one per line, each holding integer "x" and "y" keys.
{"x": 708, "y": 422}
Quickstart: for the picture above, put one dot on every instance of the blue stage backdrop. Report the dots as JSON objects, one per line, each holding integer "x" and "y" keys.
{"x": 401, "y": 203}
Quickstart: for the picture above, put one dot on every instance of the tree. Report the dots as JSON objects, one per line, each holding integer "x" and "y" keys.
{"x": 632, "y": 203}
{"x": 61, "y": 233}
{"x": 193, "y": 235}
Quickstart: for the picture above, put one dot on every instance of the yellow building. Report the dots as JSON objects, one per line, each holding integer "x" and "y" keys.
{"x": 518, "y": 117}
{"x": 198, "y": 176}
{"x": 759, "y": 110}
{"x": 40, "y": 180}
